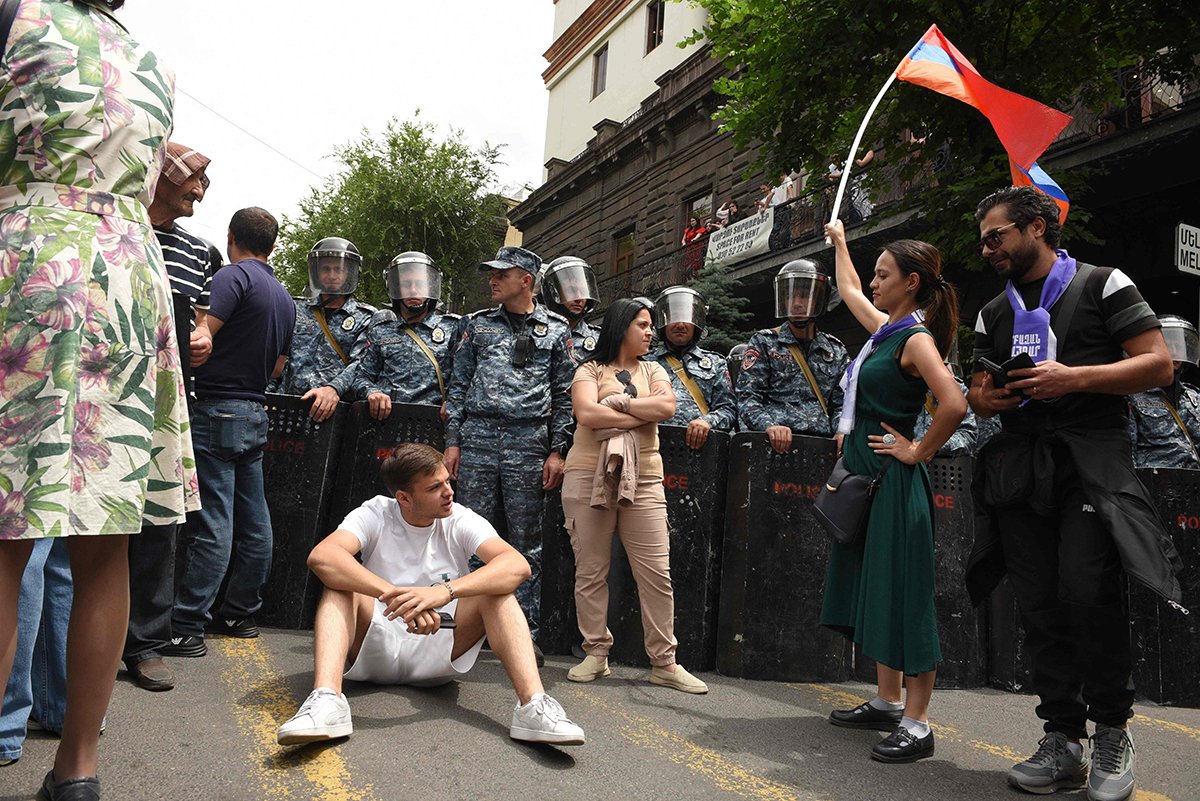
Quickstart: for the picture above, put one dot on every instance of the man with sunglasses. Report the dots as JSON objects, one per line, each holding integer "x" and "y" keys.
{"x": 508, "y": 411}
{"x": 183, "y": 184}
{"x": 1067, "y": 515}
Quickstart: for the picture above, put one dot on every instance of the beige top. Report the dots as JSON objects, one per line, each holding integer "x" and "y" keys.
{"x": 585, "y": 451}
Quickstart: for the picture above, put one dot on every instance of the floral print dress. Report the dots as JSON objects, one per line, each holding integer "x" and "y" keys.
{"x": 94, "y": 435}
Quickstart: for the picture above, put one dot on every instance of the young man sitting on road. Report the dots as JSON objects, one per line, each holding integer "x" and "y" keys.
{"x": 382, "y": 616}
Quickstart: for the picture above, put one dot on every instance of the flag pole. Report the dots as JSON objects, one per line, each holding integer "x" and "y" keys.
{"x": 837, "y": 201}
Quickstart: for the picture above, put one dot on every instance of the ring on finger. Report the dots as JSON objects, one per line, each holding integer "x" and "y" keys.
{"x": 889, "y": 439}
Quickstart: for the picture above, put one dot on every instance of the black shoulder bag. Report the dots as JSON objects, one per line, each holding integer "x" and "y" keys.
{"x": 843, "y": 506}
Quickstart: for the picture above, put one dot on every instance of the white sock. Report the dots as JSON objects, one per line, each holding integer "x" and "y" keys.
{"x": 918, "y": 728}
{"x": 885, "y": 706}
{"x": 1076, "y": 749}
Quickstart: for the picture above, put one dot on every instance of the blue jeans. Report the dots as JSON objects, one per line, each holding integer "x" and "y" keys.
{"x": 228, "y": 437}
{"x": 37, "y": 686}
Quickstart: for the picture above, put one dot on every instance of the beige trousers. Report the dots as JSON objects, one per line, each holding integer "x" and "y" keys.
{"x": 642, "y": 528}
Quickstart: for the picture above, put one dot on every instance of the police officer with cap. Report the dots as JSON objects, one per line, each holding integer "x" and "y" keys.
{"x": 789, "y": 378}
{"x": 509, "y": 410}
{"x": 329, "y": 323}
{"x": 703, "y": 390}
{"x": 1165, "y": 422}
{"x": 568, "y": 287}
{"x": 404, "y": 356}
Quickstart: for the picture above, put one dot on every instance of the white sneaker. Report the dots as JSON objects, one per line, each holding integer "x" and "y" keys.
{"x": 543, "y": 720}
{"x": 324, "y": 715}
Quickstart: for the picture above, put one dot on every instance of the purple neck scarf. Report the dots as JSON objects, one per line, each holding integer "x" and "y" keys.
{"x": 1031, "y": 328}
{"x": 849, "y": 381}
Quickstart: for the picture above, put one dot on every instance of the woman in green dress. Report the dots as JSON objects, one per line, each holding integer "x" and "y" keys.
{"x": 880, "y": 593}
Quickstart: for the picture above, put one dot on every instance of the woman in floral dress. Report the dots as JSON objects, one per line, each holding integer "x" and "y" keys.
{"x": 93, "y": 429}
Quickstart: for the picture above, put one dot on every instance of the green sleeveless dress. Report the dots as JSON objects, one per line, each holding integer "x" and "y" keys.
{"x": 880, "y": 594}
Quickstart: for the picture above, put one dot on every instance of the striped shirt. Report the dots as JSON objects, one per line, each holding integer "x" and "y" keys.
{"x": 187, "y": 260}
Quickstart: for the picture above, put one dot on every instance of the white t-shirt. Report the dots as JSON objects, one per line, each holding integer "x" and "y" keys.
{"x": 408, "y": 556}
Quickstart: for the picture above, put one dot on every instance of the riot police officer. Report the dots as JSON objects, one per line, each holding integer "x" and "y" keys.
{"x": 509, "y": 410}
{"x": 789, "y": 379}
{"x": 962, "y": 441}
{"x": 1165, "y": 422}
{"x": 734, "y": 362}
{"x": 328, "y": 324}
{"x": 568, "y": 287}
{"x": 703, "y": 391}
{"x": 404, "y": 357}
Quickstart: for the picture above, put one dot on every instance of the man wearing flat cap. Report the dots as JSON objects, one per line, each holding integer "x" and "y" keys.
{"x": 509, "y": 410}
{"x": 181, "y": 186}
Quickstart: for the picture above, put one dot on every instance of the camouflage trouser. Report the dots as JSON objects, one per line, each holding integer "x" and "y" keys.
{"x": 500, "y": 478}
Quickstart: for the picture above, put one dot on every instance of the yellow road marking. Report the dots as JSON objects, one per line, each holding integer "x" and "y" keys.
{"x": 705, "y": 762}
{"x": 250, "y": 669}
{"x": 833, "y": 696}
{"x": 1178, "y": 728}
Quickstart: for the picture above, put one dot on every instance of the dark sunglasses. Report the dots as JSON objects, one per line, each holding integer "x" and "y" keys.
{"x": 625, "y": 378}
{"x": 993, "y": 238}
{"x": 522, "y": 347}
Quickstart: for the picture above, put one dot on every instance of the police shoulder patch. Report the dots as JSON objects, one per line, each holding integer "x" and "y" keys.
{"x": 589, "y": 343}
{"x": 749, "y": 357}
{"x": 540, "y": 329}
{"x": 705, "y": 362}
{"x": 349, "y": 323}
{"x": 438, "y": 335}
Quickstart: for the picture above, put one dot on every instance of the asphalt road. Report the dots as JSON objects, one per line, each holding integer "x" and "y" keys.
{"x": 213, "y": 737}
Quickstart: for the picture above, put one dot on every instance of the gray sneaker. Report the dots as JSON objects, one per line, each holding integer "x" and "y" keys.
{"x": 1051, "y": 768}
{"x": 1112, "y": 764}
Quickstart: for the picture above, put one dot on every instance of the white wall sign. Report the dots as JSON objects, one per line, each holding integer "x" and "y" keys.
{"x": 743, "y": 239}
{"x": 1187, "y": 249}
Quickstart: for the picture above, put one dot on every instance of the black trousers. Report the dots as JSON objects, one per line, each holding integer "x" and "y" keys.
{"x": 151, "y": 592}
{"x": 1067, "y": 577}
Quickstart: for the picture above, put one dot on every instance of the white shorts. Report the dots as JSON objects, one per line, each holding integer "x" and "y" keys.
{"x": 392, "y": 655}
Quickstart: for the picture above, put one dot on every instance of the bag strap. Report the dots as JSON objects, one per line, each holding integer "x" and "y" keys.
{"x": 1179, "y": 422}
{"x": 879, "y": 476}
{"x": 688, "y": 382}
{"x": 1070, "y": 301}
{"x": 319, "y": 313}
{"x": 798, "y": 356}
{"x": 428, "y": 355}
{"x": 930, "y": 405}
{"x": 8, "y": 13}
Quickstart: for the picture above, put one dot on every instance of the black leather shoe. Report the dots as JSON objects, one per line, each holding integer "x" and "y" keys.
{"x": 903, "y": 746}
{"x": 84, "y": 788}
{"x": 866, "y": 716}
{"x": 153, "y": 674}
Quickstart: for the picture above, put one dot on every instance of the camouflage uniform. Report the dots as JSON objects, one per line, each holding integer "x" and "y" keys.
{"x": 709, "y": 371}
{"x": 1157, "y": 438}
{"x": 390, "y": 362}
{"x": 962, "y": 441}
{"x": 312, "y": 362}
{"x": 986, "y": 428}
{"x": 507, "y": 419}
{"x": 584, "y": 337}
{"x": 772, "y": 389}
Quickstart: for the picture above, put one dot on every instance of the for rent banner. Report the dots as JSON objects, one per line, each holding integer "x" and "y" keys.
{"x": 743, "y": 239}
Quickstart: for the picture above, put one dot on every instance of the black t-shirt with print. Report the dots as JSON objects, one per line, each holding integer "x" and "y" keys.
{"x": 1110, "y": 312}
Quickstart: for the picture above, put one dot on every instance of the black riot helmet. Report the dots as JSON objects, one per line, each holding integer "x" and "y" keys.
{"x": 680, "y": 304}
{"x": 565, "y": 280}
{"x": 333, "y": 266}
{"x": 734, "y": 360}
{"x": 801, "y": 291}
{"x": 1181, "y": 339}
{"x": 411, "y": 275}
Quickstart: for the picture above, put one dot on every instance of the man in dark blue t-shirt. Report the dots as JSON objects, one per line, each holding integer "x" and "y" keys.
{"x": 248, "y": 307}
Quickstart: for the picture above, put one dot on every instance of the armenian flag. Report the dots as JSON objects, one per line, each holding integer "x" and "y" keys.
{"x": 1025, "y": 127}
{"x": 1036, "y": 177}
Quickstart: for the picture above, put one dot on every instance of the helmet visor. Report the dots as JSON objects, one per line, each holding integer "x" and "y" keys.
{"x": 571, "y": 284}
{"x": 679, "y": 307}
{"x": 1182, "y": 343}
{"x": 413, "y": 280}
{"x": 333, "y": 272}
{"x": 800, "y": 296}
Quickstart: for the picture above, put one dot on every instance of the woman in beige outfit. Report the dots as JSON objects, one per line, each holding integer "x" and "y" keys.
{"x": 613, "y": 484}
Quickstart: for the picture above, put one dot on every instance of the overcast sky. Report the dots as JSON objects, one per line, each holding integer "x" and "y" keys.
{"x": 306, "y": 76}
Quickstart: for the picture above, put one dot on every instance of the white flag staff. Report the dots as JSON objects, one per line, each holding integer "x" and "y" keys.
{"x": 841, "y": 190}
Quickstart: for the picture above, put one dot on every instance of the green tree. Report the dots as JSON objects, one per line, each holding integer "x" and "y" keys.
{"x": 803, "y": 73}
{"x": 404, "y": 190}
{"x": 728, "y": 322}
